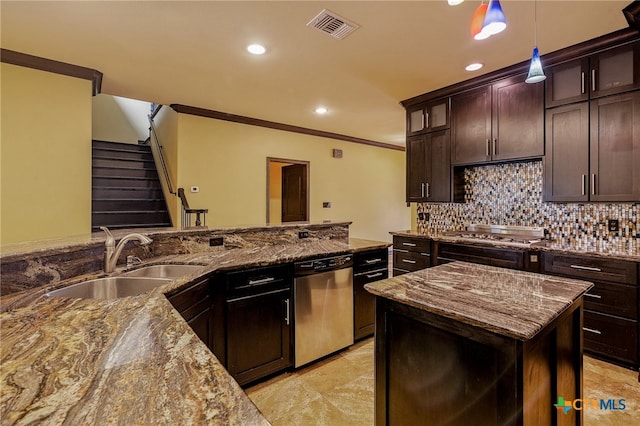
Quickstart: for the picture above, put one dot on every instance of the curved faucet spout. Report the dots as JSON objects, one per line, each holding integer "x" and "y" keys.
{"x": 112, "y": 252}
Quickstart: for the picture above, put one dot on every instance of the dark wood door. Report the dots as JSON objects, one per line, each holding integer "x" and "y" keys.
{"x": 518, "y": 119}
{"x": 438, "y": 151}
{"x": 567, "y": 83}
{"x": 416, "y": 169}
{"x": 294, "y": 193}
{"x": 416, "y": 120}
{"x": 615, "y": 70}
{"x": 566, "y": 164}
{"x": 258, "y": 335}
{"x": 615, "y": 148}
{"x": 471, "y": 126}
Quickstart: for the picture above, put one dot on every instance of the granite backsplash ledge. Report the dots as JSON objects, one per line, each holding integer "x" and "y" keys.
{"x": 24, "y": 269}
{"x": 511, "y": 194}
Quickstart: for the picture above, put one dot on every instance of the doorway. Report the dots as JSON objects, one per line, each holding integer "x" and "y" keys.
{"x": 287, "y": 190}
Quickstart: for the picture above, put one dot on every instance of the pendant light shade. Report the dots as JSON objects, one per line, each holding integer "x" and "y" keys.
{"x": 477, "y": 22}
{"x": 536, "y": 74}
{"x": 494, "y": 20}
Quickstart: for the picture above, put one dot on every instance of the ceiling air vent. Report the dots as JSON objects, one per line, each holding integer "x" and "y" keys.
{"x": 332, "y": 24}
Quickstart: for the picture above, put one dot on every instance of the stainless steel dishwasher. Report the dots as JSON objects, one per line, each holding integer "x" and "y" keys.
{"x": 323, "y": 301}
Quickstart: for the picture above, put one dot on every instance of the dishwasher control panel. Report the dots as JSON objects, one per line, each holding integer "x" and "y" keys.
{"x": 322, "y": 265}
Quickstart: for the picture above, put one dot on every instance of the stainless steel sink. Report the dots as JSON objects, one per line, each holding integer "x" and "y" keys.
{"x": 163, "y": 271}
{"x": 109, "y": 288}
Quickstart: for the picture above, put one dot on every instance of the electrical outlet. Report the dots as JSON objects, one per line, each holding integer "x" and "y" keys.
{"x": 612, "y": 225}
{"x": 303, "y": 234}
{"x": 421, "y": 216}
{"x": 216, "y": 241}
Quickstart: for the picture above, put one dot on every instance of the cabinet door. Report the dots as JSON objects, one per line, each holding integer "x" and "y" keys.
{"x": 471, "y": 126}
{"x": 616, "y": 70}
{"x": 615, "y": 148}
{"x": 416, "y": 119}
{"x": 566, "y": 164}
{"x": 438, "y": 147}
{"x": 437, "y": 115}
{"x": 518, "y": 119}
{"x": 202, "y": 325}
{"x": 416, "y": 169}
{"x": 364, "y": 303}
{"x": 567, "y": 83}
{"x": 258, "y": 335}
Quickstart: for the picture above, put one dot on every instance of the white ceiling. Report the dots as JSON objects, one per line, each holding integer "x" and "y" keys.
{"x": 193, "y": 53}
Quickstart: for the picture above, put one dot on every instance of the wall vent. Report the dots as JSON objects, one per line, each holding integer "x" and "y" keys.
{"x": 332, "y": 24}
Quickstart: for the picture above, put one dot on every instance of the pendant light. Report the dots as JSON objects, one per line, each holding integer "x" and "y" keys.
{"x": 536, "y": 74}
{"x": 494, "y": 20}
{"x": 477, "y": 22}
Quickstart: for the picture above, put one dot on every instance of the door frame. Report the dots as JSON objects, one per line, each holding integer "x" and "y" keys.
{"x": 290, "y": 162}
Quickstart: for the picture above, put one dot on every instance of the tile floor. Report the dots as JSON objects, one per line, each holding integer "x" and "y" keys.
{"x": 339, "y": 391}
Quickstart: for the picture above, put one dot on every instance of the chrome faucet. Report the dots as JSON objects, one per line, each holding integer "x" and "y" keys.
{"x": 112, "y": 252}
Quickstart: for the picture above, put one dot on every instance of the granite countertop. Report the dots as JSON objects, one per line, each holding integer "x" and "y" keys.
{"x": 629, "y": 251}
{"x": 129, "y": 360}
{"x": 507, "y": 302}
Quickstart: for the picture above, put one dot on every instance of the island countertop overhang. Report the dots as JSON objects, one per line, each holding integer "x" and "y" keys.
{"x": 511, "y": 303}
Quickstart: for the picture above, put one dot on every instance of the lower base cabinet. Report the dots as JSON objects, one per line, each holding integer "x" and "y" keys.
{"x": 195, "y": 304}
{"x": 259, "y": 322}
{"x": 368, "y": 267}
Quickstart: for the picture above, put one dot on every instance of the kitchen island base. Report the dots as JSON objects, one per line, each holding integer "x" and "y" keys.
{"x": 433, "y": 370}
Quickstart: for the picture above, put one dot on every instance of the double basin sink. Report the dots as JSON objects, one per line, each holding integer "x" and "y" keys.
{"x": 130, "y": 283}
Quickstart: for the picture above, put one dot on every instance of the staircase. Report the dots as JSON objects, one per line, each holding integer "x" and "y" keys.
{"x": 126, "y": 188}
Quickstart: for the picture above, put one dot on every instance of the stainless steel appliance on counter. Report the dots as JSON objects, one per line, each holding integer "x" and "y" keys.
{"x": 323, "y": 301}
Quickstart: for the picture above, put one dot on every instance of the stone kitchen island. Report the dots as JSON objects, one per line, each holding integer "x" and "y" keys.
{"x": 463, "y": 344}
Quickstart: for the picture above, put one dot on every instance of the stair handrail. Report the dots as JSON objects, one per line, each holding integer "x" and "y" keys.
{"x": 187, "y": 211}
{"x": 159, "y": 149}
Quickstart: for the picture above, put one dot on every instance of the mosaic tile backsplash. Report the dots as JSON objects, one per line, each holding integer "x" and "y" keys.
{"x": 511, "y": 194}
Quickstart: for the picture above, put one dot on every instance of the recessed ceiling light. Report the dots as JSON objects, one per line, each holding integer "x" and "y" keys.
{"x": 454, "y": 2}
{"x": 321, "y": 110}
{"x": 474, "y": 67}
{"x": 256, "y": 49}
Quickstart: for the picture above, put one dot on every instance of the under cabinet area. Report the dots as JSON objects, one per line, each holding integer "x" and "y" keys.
{"x": 611, "y": 307}
{"x": 368, "y": 267}
{"x": 259, "y": 322}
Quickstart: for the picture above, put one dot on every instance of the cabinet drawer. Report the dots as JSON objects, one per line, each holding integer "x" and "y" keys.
{"x": 590, "y": 269}
{"x": 412, "y": 244}
{"x": 614, "y": 299}
{"x": 190, "y": 296}
{"x": 370, "y": 260}
{"x": 371, "y": 276}
{"x": 612, "y": 336}
{"x": 259, "y": 280}
{"x": 410, "y": 261}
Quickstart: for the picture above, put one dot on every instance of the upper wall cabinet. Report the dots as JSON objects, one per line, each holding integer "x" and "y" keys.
{"x": 500, "y": 122}
{"x": 430, "y": 117}
{"x": 605, "y": 73}
{"x": 428, "y": 167}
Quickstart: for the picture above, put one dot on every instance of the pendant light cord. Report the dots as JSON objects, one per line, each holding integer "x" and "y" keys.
{"x": 535, "y": 22}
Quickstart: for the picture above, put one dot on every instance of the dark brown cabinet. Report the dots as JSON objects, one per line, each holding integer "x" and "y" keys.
{"x": 614, "y": 146}
{"x": 410, "y": 254}
{"x": 197, "y": 305}
{"x": 367, "y": 267}
{"x": 593, "y": 150}
{"x": 611, "y": 307}
{"x": 494, "y": 256}
{"x": 605, "y": 73}
{"x": 500, "y": 122}
{"x": 259, "y": 303}
{"x": 428, "y": 117}
{"x": 566, "y": 165}
{"x": 429, "y": 167}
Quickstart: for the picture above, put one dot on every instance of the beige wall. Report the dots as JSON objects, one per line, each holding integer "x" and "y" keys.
{"x": 117, "y": 119}
{"x": 45, "y": 151}
{"x": 228, "y": 162}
